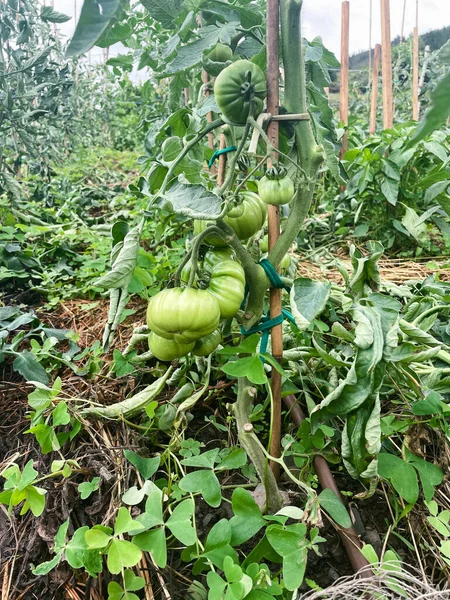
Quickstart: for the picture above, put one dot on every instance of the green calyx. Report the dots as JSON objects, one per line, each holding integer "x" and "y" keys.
{"x": 276, "y": 173}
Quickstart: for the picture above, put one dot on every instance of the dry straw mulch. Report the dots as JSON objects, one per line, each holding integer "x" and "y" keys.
{"x": 394, "y": 270}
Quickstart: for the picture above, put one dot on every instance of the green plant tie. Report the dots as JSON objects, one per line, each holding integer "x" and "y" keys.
{"x": 217, "y": 153}
{"x": 266, "y": 323}
{"x": 274, "y": 278}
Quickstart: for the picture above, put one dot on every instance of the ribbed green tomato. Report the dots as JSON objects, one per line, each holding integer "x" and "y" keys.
{"x": 252, "y": 219}
{"x": 205, "y": 345}
{"x": 245, "y": 225}
{"x": 235, "y": 86}
{"x": 276, "y": 191}
{"x": 221, "y": 53}
{"x": 215, "y": 256}
{"x": 167, "y": 350}
{"x": 212, "y": 257}
{"x": 227, "y": 285}
{"x": 183, "y": 314}
{"x": 212, "y": 240}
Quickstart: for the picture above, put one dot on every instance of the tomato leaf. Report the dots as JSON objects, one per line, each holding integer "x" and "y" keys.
{"x": 193, "y": 201}
{"x": 94, "y": 18}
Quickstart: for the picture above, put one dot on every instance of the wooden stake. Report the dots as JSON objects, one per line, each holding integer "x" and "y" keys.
{"x": 386, "y": 61}
{"x": 403, "y": 21}
{"x": 370, "y": 44}
{"x": 209, "y": 116}
{"x": 415, "y": 73}
{"x": 343, "y": 99}
{"x": 222, "y": 161}
{"x": 415, "y": 76}
{"x": 273, "y": 25}
{"x": 373, "y": 105}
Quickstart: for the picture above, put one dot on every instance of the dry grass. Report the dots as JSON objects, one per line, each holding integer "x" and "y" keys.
{"x": 384, "y": 585}
{"x": 395, "y": 270}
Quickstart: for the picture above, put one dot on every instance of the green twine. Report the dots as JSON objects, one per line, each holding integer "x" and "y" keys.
{"x": 217, "y": 153}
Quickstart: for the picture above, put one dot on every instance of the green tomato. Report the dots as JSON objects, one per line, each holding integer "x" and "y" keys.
{"x": 245, "y": 225}
{"x": 235, "y": 211}
{"x": 205, "y": 345}
{"x": 285, "y": 262}
{"x": 276, "y": 191}
{"x": 234, "y": 88}
{"x": 167, "y": 350}
{"x": 213, "y": 257}
{"x": 264, "y": 244}
{"x": 183, "y": 314}
{"x": 252, "y": 218}
{"x": 212, "y": 240}
{"x": 221, "y": 53}
{"x": 227, "y": 285}
{"x": 9, "y": 160}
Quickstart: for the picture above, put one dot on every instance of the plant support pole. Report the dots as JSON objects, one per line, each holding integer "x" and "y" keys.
{"x": 348, "y": 535}
{"x": 415, "y": 72}
{"x": 343, "y": 98}
{"x": 374, "y": 99}
{"x": 386, "y": 64}
{"x": 273, "y": 26}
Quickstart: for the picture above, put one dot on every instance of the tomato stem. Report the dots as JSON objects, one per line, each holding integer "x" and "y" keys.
{"x": 309, "y": 154}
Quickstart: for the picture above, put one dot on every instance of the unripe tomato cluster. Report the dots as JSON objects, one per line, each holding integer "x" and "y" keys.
{"x": 184, "y": 320}
{"x": 187, "y": 319}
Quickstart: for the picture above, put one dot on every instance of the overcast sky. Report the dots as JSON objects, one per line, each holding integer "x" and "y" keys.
{"x": 323, "y": 17}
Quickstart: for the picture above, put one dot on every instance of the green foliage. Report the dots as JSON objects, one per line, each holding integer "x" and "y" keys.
{"x": 395, "y": 193}
{"x": 369, "y": 364}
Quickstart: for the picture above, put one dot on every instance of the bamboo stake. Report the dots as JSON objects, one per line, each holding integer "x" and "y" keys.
{"x": 74, "y": 28}
{"x": 415, "y": 76}
{"x": 370, "y": 43}
{"x": 209, "y": 116}
{"x": 373, "y": 105}
{"x": 222, "y": 161}
{"x": 386, "y": 63}
{"x": 349, "y": 537}
{"x": 54, "y": 24}
{"x": 273, "y": 25}
{"x": 403, "y": 21}
{"x": 415, "y": 73}
{"x": 343, "y": 99}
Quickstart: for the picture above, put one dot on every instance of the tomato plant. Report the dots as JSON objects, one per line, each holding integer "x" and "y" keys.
{"x": 331, "y": 332}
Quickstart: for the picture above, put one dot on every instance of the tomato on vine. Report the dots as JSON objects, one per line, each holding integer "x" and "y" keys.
{"x": 276, "y": 187}
{"x": 252, "y": 218}
{"x": 249, "y": 221}
{"x": 227, "y": 285}
{"x": 220, "y": 53}
{"x": 212, "y": 257}
{"x": 183, "y": 314}
{"x": 205, "y": 345}
{"x": 167, "y": 350}
{"x": 236, "y": 86}
{"x": 212, "y": 240}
